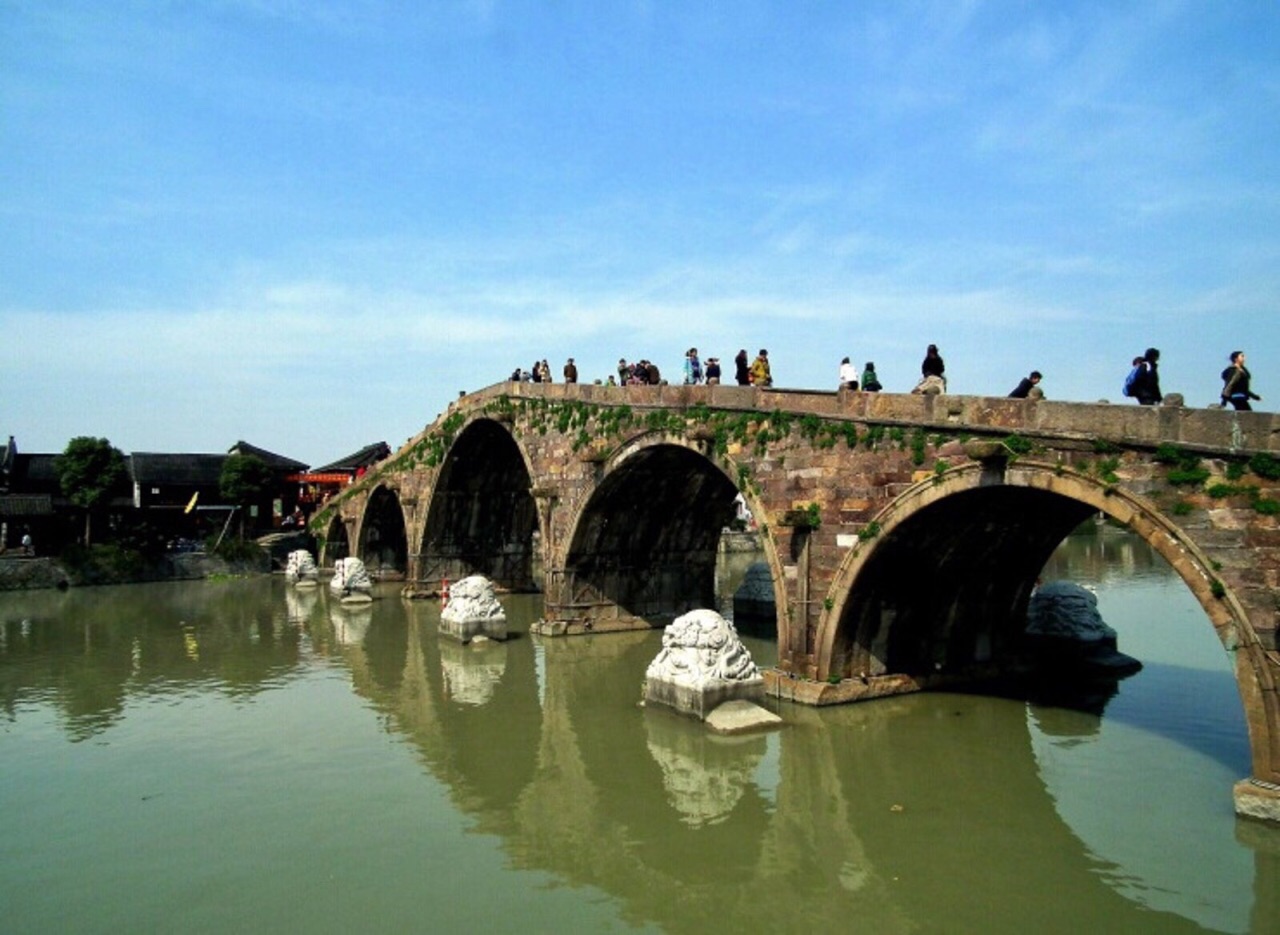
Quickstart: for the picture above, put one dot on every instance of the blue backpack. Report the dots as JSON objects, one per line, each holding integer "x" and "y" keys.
{"x": 1131, "y": 379}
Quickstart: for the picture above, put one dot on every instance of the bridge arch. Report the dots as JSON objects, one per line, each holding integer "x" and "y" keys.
{"x": 337, "y": 544}
{"x": 642, "y": 547}
{"x": 383, "y": 544}
{"x": 944, "y": 584}
{"x": 483, "y": 515}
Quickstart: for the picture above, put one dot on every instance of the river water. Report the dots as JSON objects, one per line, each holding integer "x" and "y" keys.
{"x": 234, "y": 756}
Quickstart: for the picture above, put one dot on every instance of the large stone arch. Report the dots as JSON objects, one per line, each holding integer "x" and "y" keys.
{"x": 997, "y": 525}
{"x": 482, "y": 515}
{"x": 642, "y": 547}
{"x": 383, "y": 544}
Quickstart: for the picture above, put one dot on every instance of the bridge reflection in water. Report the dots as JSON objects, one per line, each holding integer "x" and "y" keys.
{"x": 920, "y": 813}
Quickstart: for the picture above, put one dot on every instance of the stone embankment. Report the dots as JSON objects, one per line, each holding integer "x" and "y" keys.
{"x": 23, "y": 573}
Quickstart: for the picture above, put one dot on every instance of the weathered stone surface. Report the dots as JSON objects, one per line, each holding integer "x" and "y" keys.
{"x": 473, "y": 610}
{"x": 300, "y": 568}
{"x": 350, "y": 581}
{"x": 1257, "y": 801}
{"x": 702, "y": 665}
{"x": 741, "y": 717}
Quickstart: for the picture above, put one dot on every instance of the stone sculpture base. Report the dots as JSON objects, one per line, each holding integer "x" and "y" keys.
{"x": 701, "y": 700}
{"x": 464, "y": 631}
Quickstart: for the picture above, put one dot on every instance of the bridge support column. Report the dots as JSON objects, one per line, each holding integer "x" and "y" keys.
{"x": 572, "y": 607}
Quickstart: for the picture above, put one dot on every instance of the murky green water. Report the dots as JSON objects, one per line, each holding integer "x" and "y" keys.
{"x": 234, "y": 756}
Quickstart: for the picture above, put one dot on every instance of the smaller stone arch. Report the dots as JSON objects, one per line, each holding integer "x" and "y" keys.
{"x": 383, "y": 543}
{"x": 482, "y": 516}
{"x": 337, "y": 544}
{"x": 671, "y": 488}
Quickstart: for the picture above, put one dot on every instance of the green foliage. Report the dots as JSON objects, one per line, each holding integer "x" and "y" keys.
{"x": 873, "y": 437}
{"x": 1168, "y": 453}
{"x": 1018, "y": 444}
{"x": 88, "y": 469}
{"x": 1266, "y": 506}
{"x": 1265, "y": 465}
{"x": 869, "y": 531}
{"x": 1103, "y": 447}
{"x": 1188, "y": 476}
{"x": 234, "y": 550}
{"x": 940, "y": 467}
{"x": 1182, "y": 508}
{"x": 1106, "y": 468}
{"x": 245, "y": 479}
{"x": 813, "y": 516}
{"x": 1235, "y": 470}
{"x": 828, "y": 603}
{"x": 1217, "y": 589}
{"x": 917, "y": 447}
{"x": 1220, "y": 491}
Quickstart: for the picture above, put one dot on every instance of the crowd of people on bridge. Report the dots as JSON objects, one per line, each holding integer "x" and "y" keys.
{"x": 1142, "y": 383}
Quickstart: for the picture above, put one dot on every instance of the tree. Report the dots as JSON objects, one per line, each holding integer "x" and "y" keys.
{"x": 245, "y": 480}
{"x": 87, "y": 471}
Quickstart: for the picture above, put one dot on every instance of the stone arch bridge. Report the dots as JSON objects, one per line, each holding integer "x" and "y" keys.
{"x": 904, "y": 533}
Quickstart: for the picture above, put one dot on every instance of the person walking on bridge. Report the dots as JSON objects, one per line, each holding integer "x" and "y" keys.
{"x": 570, "y": 372}
{"x": 1146, "y": 384}
{"x": 741, "y": 374}
{"x": 1023, "y": 389}
{"x": 1235, "y": 384}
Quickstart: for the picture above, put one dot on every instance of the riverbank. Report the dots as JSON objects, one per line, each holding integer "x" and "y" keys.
{"x": 26, "y": 573}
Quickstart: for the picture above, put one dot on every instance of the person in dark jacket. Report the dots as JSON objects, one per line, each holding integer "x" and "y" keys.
{"x": 1023, "y": 389}
{"x": 1146, "y": 385}
{"x": 741, "y": 373}
{"x": 932, "y": 365}
{"x": 1235, "y": 384}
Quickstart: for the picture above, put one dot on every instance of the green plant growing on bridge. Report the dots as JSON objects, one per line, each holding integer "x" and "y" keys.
{"x": 1217, "y": 589}
{"x": 873, "y": 437}
{"x": 917, "y": 447}
{"x": 1181, "y": 508}
{"x": 940, "y": 467}
{"x": 1106, "y": 468}
{"x": 1265, "y": 465}
{"x": 1266, "y": 506}
{"x": 1188, "y": 474}
{"x": 1018, "y": 445}
{"x": 813, "y": 516}
{"x": 828, "y": 603}
{"x": 869, "y": 531}
{"x": 1169, "y": 453}
{"x": 1102, "y": 446}
{"x": 1235, "y": 470}
{"x": 1222, "y": 491}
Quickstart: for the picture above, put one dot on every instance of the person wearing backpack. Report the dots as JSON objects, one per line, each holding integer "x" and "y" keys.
{"x": 1235, "y": 384}
{"x": 1145, "y": 382}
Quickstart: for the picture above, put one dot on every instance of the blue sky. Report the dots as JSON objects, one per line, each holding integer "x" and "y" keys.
{"x": 310, "y": 224}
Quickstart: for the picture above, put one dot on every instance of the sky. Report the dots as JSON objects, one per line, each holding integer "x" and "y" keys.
{"x": 309, "y": 224}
